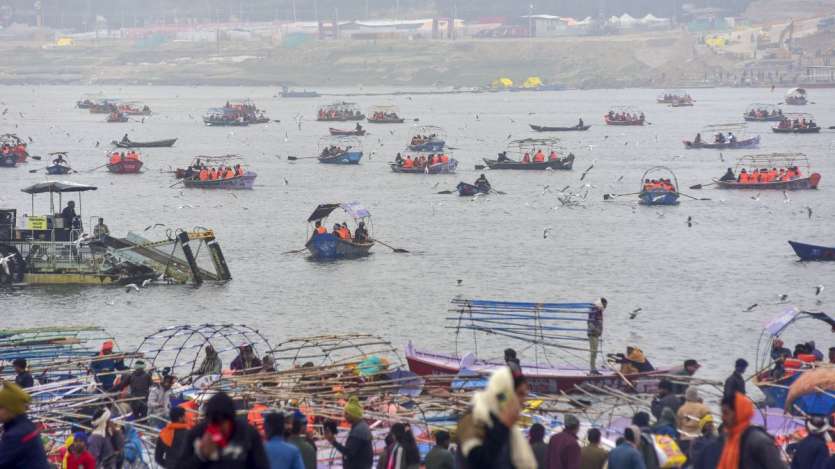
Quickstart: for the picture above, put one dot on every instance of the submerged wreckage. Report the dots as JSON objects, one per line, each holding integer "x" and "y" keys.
{"x": 57, "y": 248}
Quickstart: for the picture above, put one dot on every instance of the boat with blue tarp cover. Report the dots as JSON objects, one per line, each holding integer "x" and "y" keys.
{"x": 659, "y": 191}
{"x": 811, "y": 252}
{"x": 339, "y": 243}
{"x": 543, "y": 327}
{"x": 797, "y": 382}
{"x": 428, "y": 138}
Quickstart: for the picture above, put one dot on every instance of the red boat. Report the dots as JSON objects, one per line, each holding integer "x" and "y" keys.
{"x": 121, "y": 163}
{"x": 542, "y": 379}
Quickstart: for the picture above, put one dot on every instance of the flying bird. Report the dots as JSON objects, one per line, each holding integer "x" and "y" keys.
{"x": 460, "y": 281}
{"x": 690, "y": 222}
{"x": 751, "y": 308}
{"x": 545, "y": 233}
{"x": 818, "y": 290}
{"x": 634, "y": 313}
{"x": 286, "y": 182}
{"x": 783, "y": 297}
{"x": 583, "y": 176}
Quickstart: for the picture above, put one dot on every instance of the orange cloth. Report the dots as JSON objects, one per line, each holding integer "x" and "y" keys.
{"x": 166, "y": 435}
{"x": 744, "y": 410}
{"x": 321, "y": 230}
{"x": 743, "y": 178}
{"x": 192, "y": 413}
{"x": 204, "y": 174}
{"x": 408, "y": 163}
{"x": 539, "y": 157}
{"x": 444, "y": 159}
{"x": 230, "y": 173}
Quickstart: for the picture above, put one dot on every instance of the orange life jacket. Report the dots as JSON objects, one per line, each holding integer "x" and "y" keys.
{"x": 230, "y": 173}
{"x": 444, "y": 159}
{"x": 553, "y": 156}
{"x": 204, "y": 174}
{"x": 408, "y": 163}
{"x": 539, "y": 157}
{"x": 321, "y": 230}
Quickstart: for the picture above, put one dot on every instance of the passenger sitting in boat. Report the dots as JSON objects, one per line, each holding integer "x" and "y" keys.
{"x": 482, "y": 182}
{"x": 502, "y": 157}
{"x": 125, "y": 139}
{"x": 633, "y": 362}
{"x": 729, "y": 176}
{"x": 358, "y": 128}
{"x": 204, "y": 174}
{"x": 319, "y": 229}
{"x": 611, "y": 115}
{"x": 230, "y": 173}
{"x": 698, "y": 139}
{"x": 731, "y": 137}
{"x": 361, "y": 234}
{"x": 115, "y": 158}
{"x": 526, "y": 158}
{"x": 398, "y": 160}
{"x": 239, "y": 170}
{"x": 346, "y": 233}
{"x": 641, "y": 117}
{"x": 553, "y": 156}
{"x": 408, "y": 164}
{"x": 337, "y": 230}
{"x": 719, "y": 138}
{"x": 539, "y": 157}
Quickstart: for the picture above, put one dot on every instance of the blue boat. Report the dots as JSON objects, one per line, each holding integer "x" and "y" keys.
{"x": 811, "y": 252}
{"x": 428, "y": 138}
{"x": 469, "y": 190}
{"x": 58, "y": 169}
{"x": 660, "y": 191}
{"x": 777, "y": 392}
{"x": 327, "y": 245}
{"x": 340, "y": 149}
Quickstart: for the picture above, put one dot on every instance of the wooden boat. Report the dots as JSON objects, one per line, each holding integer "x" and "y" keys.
{"x": 238, "y": 182}
{"x": 805, "y": 124}
{"x": 384, "y": 115}
{"x": 125, "y": 165}
{"x": 751, "y": 142}
{"x": 152, "y": 144}
{"x": 224, "y": 117}
{"x": 340, "y": 112}
{"x": 327, "y": 246}
{"x": 346, "y": 157}
{"x": 438, "y": 168}
{"x": 57, "y": 168}
{"x": 658, "y": 195}
{"x": 796, "y": 130}
{"x": 565, "y": 163}
{"x": 340, "y": 132}
{"x": 811, "y": 252}
{"x": 796, "y": 97}
{"x": 285, "y": 93}
{"x": 543, "y": 128}
{"x": 133, "y": 109}
{"x": 674, "y": 96}
{"x": 632, "y": 122}
{"x": 763, "y": 112}
{"x": 340, "y": 150}
{"x": 428, "y": 138}
{"x": 610, "y": 117}
{"x": 468, "y": 190}
{"x": 774, "y": 160}
{"x": 387, "y": 120}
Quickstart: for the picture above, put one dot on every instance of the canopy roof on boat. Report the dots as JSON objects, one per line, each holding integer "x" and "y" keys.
{"x": 343, "y": 141}
{"x": 773, "y": 160}
{"x": 353, "y": 209}
{"x": 660, "y": 169}
{"x": 57, "y": 186}
{"x": 430, "y": 130}
{"x": 217, "y": 159}
{"x": 761, "y": 107}
{"x": 11, "y": 139}
{"x": 796, "y": 92}
{"x": 561, "y": 325}
{"x": 342, "y": 105}
{"x": 779, "y": 324}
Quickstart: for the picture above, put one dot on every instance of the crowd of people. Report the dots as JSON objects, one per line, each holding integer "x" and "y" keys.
{"x": 341, "y": 231}
{"x": 421, "y": 161}
{"x": 796, "y": 123}
{"x": 660, "y": 184}
{"x": 384, "y": 116}
{"x": 762, "y": 175}
{"x": 203, "y": 172}
{"x": 331, "y": 151}
{"x": 336, "y": 114}
{"x": 117, "y": 157}
{"x": 625, "y": 116}
{"x": 764, "y": 113}
{"x": 421, "y": 139}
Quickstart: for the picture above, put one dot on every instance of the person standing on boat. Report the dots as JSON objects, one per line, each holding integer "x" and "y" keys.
{"x": 69, "y": 215}
{"x": 595, "y": 332}
{"x": 22, "y": 377}
{"x": 729, "y": 176}
{"x": 736, "y": 382}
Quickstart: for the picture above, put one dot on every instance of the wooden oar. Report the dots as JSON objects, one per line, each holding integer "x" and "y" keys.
{"x": 38, "y": 158}
{"x": 690, "y": 196}
{"x": 294, "y": 158}
{"x": 98, "y": 167}
{"x": 391, "y": 247}
{"x": 699, "y": 186}
{"x": 294, "y": 251}
{"x": 180, "y": 181}
{"x": 446, "y": 192}
{"x": 612, "y": 196}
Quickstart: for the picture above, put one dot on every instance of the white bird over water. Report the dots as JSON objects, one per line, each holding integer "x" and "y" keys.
{"x": 131, "y": 286}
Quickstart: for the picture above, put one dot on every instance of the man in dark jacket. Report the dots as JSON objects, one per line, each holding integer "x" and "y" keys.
{"x": 736, "y": 382}
{"x": 20, "y": 444}
{"x": 746, "y": 446}
{"x": 357, "y": 452}
{"x": 105, "y": 368}
{"x": 812, "y": 452}
{"x": 22, "y": 377}
{"x": 172, "y": 439}
{"x": 222, "y": 441}
{"x": 297, "y": 438}
{"x": 563, "y": 448}
{"x": 139, "y": 382}
{"x": 645, "y": 446}
{"x": 664, "y": 398}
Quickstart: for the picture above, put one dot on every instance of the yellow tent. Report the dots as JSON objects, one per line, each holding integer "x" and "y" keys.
{"x": 716, "y": 41}
{"x": 502, "y": 83}
{"x": 64, "y": 41}
{"x": 532, "y": 82}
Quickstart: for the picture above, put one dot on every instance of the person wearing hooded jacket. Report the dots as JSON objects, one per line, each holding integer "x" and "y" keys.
{"x": 745, "y": 446}
{"x": 488, "y": 436}
{"x": 98, "y": 443}
{"x": 644, "y": 443}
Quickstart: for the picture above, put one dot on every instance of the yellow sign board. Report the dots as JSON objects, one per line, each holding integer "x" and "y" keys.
{"x": 36, "y": 223}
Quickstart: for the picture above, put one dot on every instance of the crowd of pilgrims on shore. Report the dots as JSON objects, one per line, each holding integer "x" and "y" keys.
{"x": 117, "y": 157}
{"x": 762, "y": 175}
{"x": 341, "y": 231}
{"x": 384, "y": 116}
{"x": 658, "y": 185}
{"x": 334, "y": 114}
{"x": 210, "y": 173}
{"x": 764, "y": 113}
{"x": 420, "y": 161}
{"x": 796, "y": 123}
{"x": 211, "y": 435}
{"x": 625, "y": 116}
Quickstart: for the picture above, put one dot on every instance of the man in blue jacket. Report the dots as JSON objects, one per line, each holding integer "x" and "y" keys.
{"x": 282, "y": 455}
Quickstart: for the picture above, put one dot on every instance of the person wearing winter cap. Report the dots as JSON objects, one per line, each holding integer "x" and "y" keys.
{"x": 20, "y": 443}
{"x": 358, "y": 451}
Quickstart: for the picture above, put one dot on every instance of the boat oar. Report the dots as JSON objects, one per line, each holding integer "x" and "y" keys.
{"x": 391, "y": 247}
{"x": 180, "y": 181}
{"x": 98, "y": 167}
{"x": 446, "y": 192}
{"x": 294, "y": 158}
{"x": 38, "y": 158}
{"x": 294, "y": 251}
{"x": 690, "y": 196}
{"x": 699, "y": 186}
{"x": 612, "y": 196}
{"x": 498, "y": 192}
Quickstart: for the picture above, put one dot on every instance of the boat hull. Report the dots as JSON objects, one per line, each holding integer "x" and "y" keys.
{"x": 386, "y": 121}
{"x": 440, "y": 168}
{"x": 351, "y": 157}
{"x": 340, "y": 132}
{"x": 224, "y": 123}
{"x": 658, "y": 198}
{"x": 329, "y": 246}
{"x": 155, "y": 144}
{"x": 752, "y": 142}
{"x": 790, "y": 130}
{"x": 810, "y": 182}
{"x": 811, "y": 252}
{"x": 58, "y": 169}
{"x": 543, "y": 128}
{"x": 562, "y": 164}
{"x": 468, "y": 190}
{"x": 236, "y": 183}
{"x": 299, "y": 94}
{"x": 542, "y": 379}
{"x": 125, "y": 167}
{"x": 623, "y": 123}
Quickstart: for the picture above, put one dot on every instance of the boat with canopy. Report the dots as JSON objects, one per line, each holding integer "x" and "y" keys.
{"x": 775, "y": 171}
{"x": 797, "y": 123}
{"x": 656, "y": 189}
{"x": 339, "y": 245}
{"x": 736, "y": 138}
{"x": 532, "y": 154}
{"x": 340, "y": 112}
{"x": 624, "y": 115}
{"x": 795, "y": 382}
{"x": 385, "y": 114}
{"x": 217, "y": 172}
{"x": 763, "y": 112}
{"x": 554, "y": 334}
{"x": 428, "y": 138}
{"x": 223, "y": 117}
{"x": 340, "y": 150}
{"x": 425, "y": 163}
{"x": 796, "y": 97}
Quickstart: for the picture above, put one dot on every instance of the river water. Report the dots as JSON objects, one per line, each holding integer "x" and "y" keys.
{"x": 693, "y": 283}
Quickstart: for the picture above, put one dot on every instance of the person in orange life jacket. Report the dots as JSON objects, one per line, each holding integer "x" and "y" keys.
{"x": 319, "y": 228}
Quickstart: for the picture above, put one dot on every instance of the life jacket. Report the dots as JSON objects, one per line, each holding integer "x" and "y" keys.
{"x": 344, "y": 233}
{"x": 526, "y": 158}
{"x": 321, "y": 230}
{"x": 408, "y": 163}
{"x": 444, "y": 159}
{"x": 230, "y": 173}
{"x": 204, "y": 174}
{"x": 806, "y": 357}
{"x": 743, "y": 178}
{"x": 539, "y": 157}
{"x": 553, "y": 156}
